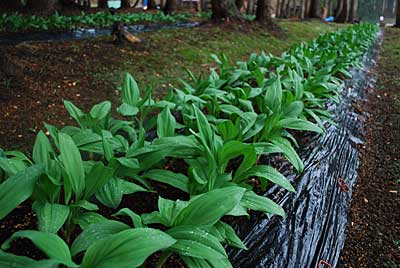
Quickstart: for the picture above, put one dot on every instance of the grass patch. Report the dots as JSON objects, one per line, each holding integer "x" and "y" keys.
{"x": 168, "y": 53}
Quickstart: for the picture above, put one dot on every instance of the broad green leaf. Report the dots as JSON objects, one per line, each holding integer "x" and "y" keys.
{"x": 166, "y": 124}
{"x": 101, "y": 110}
{"x": 210, "y": 207}
{"x": 230, "y": 109}
{"x": 127, "y": 249}
{"x": 260, "y": 203}
{"x": 233, "y": 149}
{"x": 289, "y": 152}
{"x": 18, "y": 188}
{"x": 72, "y": 162}
{"x": 271, "y": 174}
{"x": 12, "y": 166}
{"x": 273, "y": 95}
{"x": 52, "y": 245}
{"x": 229, "y": 235}
{"x": 42, "y": 149}
{"x": 169, "y": 210}
{"x": 85, "y": 205}
{"x": 228, "y": 130}
{"x": 98, "y": 176}
{"x": 111, "y": 193}
{"x": 128, "y": 162}
{"x": 107, "y": 148}
{"x": 86, "y": 219}
{"x": 51, "y": 217}
{"x": 136, "y": 219}
{"x": 177, "y": 180}
{"x": 8, "y": 260}
{"x": 195, "y": 242}
{"x": 96, "y": 232}
{"x": 299, "y": 124}
{"x": 206, "y": 133}
{"x": 127, "y": 110}
{"x": 74, "y": 112}
{"x": 294, "y": 109}
{"x": 130, "y": 91}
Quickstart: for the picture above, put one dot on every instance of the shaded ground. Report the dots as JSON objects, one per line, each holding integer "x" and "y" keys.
{"x": 36, "y": 77}
{"x": 373, "y": 237}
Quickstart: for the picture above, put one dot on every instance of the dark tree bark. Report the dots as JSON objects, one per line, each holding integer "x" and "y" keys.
{"x": 330, "y": 8}
{"x": 278, "y": 9}
{"x": 339, "y": 8}
{"x": 315, "y": 9}
{"x": 306, "y": 8}
{"x": 283, "y": 7}
{"x": 343, "y": 16}
{"x": 239, "y": 4}
{"x": 170, "y": 7}
{"x": 250, "y": 7}
{"x": 203, "y": 5}
{"x": 263, "y": 13}
{"x": 225, "y": 9}
{"x": 125, "y": 4}
{"x": 11, "y": 5}
{"x": 102, "y": 4}
{"x": 397, "y": 14}
{"x": 353, "y": 11}
{"x": 292, "y": 8}
{"x": 389, "y": 8}
{"x": 302, "y": 9}
{"x": 46, "y": 6}
{"x": 152, "y": 4}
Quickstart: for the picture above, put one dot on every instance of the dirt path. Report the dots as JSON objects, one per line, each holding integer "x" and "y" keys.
{"x": 373, "y": 235}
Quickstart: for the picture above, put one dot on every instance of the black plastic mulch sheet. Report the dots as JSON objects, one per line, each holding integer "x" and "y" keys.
{"x": 77, "y": 34}
{"x": 313, "y": 233}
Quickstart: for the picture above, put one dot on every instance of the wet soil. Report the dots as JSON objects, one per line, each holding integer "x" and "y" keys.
{"x": 373, "y": 232}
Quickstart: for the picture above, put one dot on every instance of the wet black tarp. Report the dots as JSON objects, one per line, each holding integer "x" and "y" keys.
{"x": 314, "y": 229}
{"x": 15, "y": 38}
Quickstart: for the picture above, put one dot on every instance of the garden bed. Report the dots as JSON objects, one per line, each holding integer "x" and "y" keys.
{"x": 219, "y": 142}
{"x": 314, "y": 230}
{"x": 37, "y": 77}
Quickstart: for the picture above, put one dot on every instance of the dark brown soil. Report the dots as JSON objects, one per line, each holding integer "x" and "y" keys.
{"x": 373, "y": 234}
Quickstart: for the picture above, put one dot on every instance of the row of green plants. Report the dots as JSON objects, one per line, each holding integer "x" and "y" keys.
{"x": 205, "y": 139}
{"x": 17, "y": 22}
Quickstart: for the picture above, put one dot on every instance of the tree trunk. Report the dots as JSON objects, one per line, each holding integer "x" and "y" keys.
{"x": 263, "y": 13}
{"x": 203, "y": 5}
{"x": 283, "y": 8}
{"x": 353, "y": 11}
{"x": 278, "y": 9}
{"x": 46, "y": 6}
{"x": 250, "y": 7}
{"x": 293, "y": 9}
{"x": 301, "y": 16}
{"x": 343, "y": 16}
{"x": 170, "y": 7}
{"x": 12, "y": 5}
{"x": 315, "y": 9}
{"x": 330, "y": 8}
{"x": 224, "y": 9}
{"x": 239, "y": 4}
{"x": 306, "y": 8}
{"x": 125, "y": 4}
{"x": 152, "y": 4}
{"x": 102, "y": 3}
{"x": 339, "y": 8}
{"x": 397, "y": 14}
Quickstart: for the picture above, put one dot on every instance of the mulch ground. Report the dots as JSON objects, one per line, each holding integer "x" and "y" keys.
{"x": 373, "y": 233}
